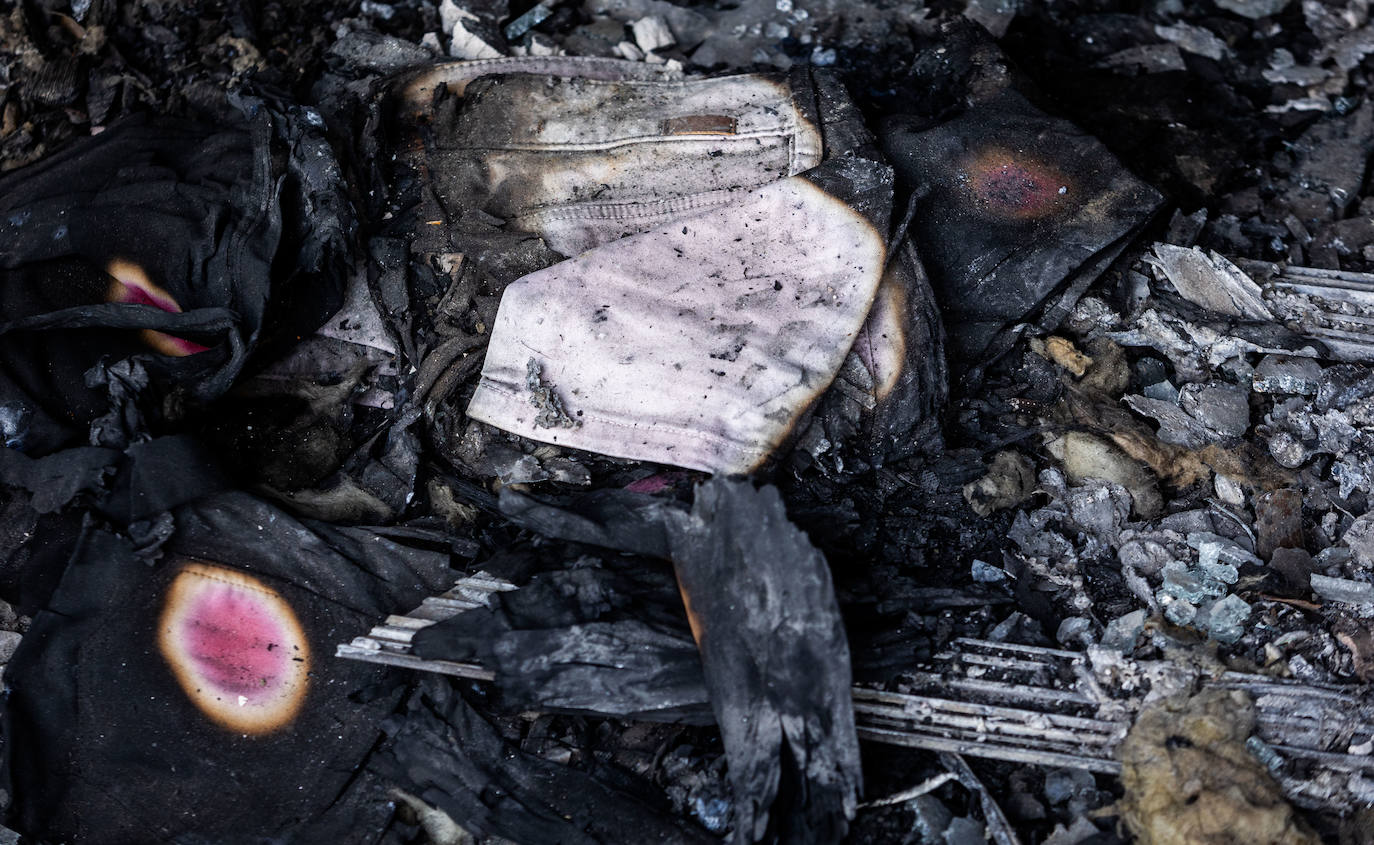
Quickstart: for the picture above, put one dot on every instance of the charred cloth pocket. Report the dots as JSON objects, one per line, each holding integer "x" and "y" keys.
{"x": 1017, "y": 214}
{"x": 727, "y": 240}
{"x": 155, "y": 239}
{"x": 698, "y": 344}
{"x": 576, "y": 149}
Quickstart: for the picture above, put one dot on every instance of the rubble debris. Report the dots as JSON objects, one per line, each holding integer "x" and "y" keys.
{"x": 451, "y": 758}
{"x": 1325, "y": 161}
{"x": 1278, "y": 521}
{"x": 1028, "y": 687}
{"x": 1085, "y": 456}
{"x": 1326, "y": 304}
{"x": 1282, "y": 374}
{"x": 1211, "y": 281}
{"x": 1123, "y": 632}
{"x": 1190, "y": 778}
{"x": 517, "y": 28}
{"x": 993, "y": 15}
{"x": 1253, "y": 9}
{"x": 994, "y": 821}
{"x": 1259, "y": 451}
{"x": 1193, "y": 39}
{"x": 652, "y": 33}
{"x": 1343, "y": 590}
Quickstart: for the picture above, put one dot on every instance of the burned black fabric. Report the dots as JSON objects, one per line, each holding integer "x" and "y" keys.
{"x": 614, "y": 519}
{"x": 763, "y": 610}
{"x": 1017, "y": 212}
{"x": 446, "y": 754}
{"x": 597, "y": 637}
{"x": 163, "y": 240}
{"x": 105, "y": 745}
{"x": 190, "y": 205}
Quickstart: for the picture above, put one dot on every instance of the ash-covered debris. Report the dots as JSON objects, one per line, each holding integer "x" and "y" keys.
{"x": 1144, "y": 234}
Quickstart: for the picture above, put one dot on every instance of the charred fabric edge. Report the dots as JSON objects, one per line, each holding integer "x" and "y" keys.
{"x": 763, "y": 610}
{"x": 608, "y": 638}
{"x": 451, "y": 758}
{"x": 614, "y": 519}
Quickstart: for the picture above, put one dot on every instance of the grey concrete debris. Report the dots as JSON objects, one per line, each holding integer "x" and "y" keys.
{"x": 1193, "y": 39}
{"x": 9, "y": 641}
{"x": 1343, "y": 590}
{"x": 1124, "y": 632}
{"x": 652, "y": 33}
{"x": 1253, "y": 9}
{"x": 1176, "y": 426}
{"x": 1209, "y": 280}
{"x": 1221, "y": 407}
{"x": 1146, "y": 58}
{"x": 993, "y": 15}
{"x": 1286, "y": 374}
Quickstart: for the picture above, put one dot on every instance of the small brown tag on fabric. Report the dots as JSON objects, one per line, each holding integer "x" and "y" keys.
{"x": 700, "y": 124}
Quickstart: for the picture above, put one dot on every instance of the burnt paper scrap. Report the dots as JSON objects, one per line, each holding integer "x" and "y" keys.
{"x": 162, "y": 240}
{"x": 195, "y": 699}
{"x": 1017, "y": 212}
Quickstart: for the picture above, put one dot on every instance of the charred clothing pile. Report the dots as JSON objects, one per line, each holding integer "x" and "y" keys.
{"x": 588, "y": 422}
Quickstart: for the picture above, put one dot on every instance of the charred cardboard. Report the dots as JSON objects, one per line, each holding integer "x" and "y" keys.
{"x": 194, "y": 699}
{"x": 163, "y": 241}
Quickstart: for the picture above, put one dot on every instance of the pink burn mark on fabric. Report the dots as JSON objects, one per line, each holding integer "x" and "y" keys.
{"x": 132, "y": 286}
{"x": 235, "y": 642}
{"x": 1015, "y": 186}
{"x": 235, "y": 647}
{"x": 135, "y": 295}
{"x": 655, "y": 483}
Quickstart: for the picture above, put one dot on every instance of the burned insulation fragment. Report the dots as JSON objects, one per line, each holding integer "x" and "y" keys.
{"x": 1191, "y": 780}
{"x": 1016, "y": 214}
{"x": 763, "y": 611}
{"x": 190, "y": 699}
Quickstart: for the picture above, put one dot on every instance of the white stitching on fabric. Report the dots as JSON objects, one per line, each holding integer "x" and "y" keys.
{"x": 785, "y": 131}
